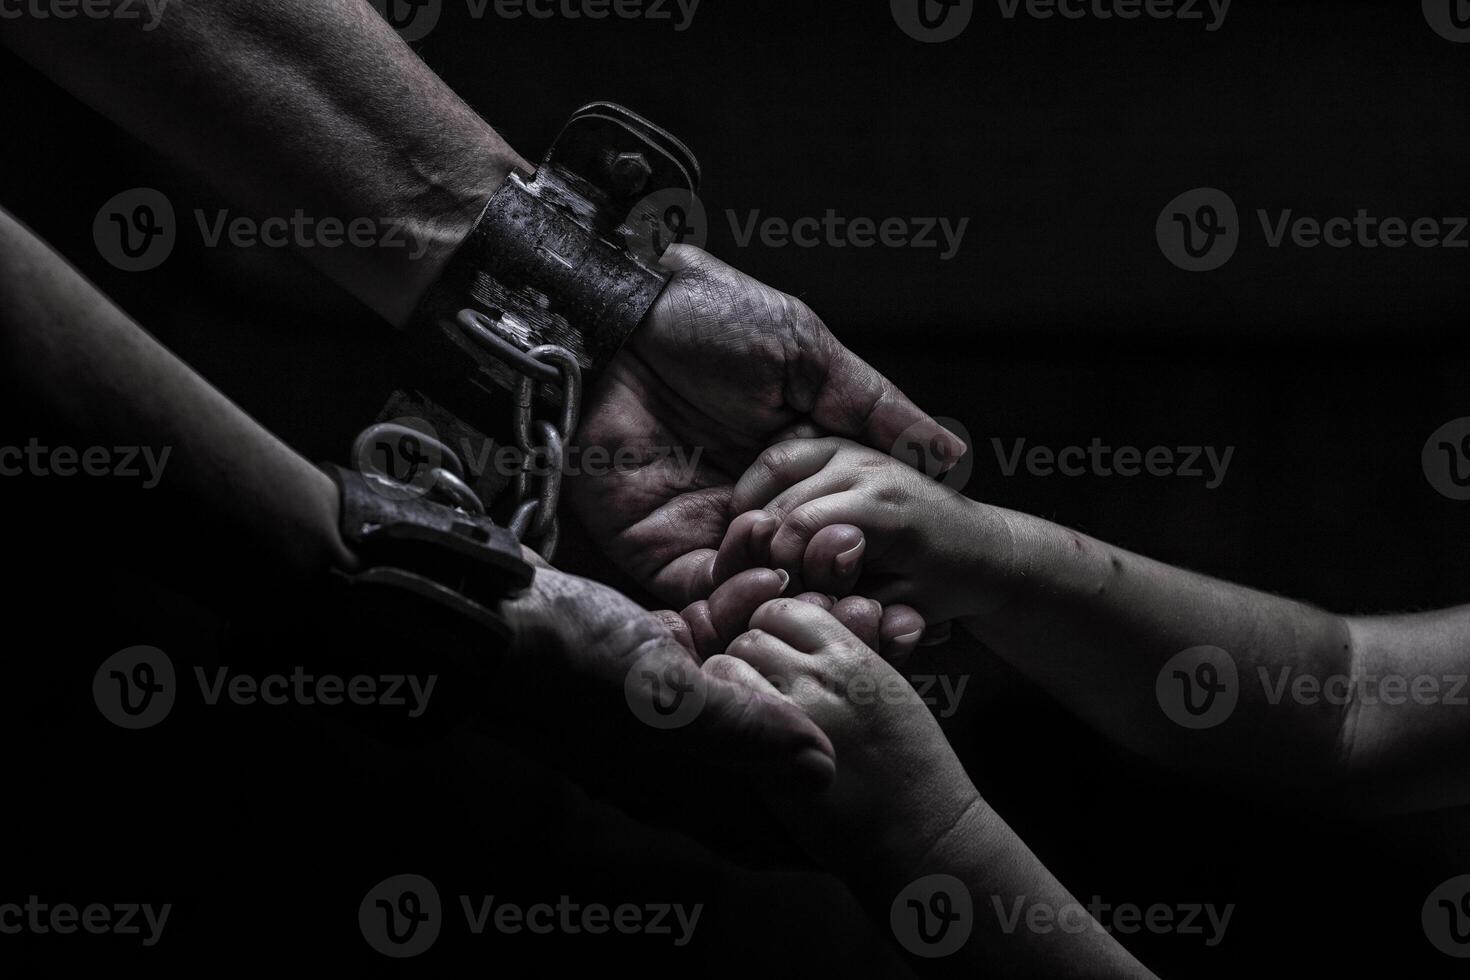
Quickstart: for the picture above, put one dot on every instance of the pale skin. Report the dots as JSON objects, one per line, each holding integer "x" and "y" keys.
{"x": 902, "y": 807}
{"x": 1094, "y": 625}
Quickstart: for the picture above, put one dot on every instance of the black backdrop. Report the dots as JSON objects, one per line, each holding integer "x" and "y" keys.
{"x": 1058, "y": 321}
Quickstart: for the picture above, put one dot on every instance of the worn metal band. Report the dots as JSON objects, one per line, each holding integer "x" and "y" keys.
{"x": 460, "y": 561}
{"x": 567, "y": 257}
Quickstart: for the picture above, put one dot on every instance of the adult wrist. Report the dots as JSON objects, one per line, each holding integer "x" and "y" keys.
{"x": 443, "y": 219}
{"x": 567, "y": 256}
{"x": 558, "y": 269}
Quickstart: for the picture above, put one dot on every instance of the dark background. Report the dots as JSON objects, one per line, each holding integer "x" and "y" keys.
{"x": 1059, "y": 321}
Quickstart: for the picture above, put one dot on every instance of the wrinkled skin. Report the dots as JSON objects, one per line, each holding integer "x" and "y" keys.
{"x": 578, "y": 642}
{"x": 723, "y": 367}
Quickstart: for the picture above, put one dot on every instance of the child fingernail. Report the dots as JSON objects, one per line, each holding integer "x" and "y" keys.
{"x": 844, "y": 563}
{"x": 785, "y": 578}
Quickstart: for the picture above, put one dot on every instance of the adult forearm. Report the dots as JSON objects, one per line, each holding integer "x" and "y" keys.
{"x": 239, "y": 489}
{"x": 287, "y": 106}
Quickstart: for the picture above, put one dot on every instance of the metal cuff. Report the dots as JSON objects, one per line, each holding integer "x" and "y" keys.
{"x": 459, "y": 561}
{"x": 567, "y": 257}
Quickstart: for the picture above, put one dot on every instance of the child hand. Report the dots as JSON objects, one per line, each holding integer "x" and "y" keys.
{"x": 840, "y": 518}
{"x": 899, "y": 787}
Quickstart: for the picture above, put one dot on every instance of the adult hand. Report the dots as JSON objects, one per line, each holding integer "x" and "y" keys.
{"x": 723, "y": 367}
{"x": 589, "y": 661}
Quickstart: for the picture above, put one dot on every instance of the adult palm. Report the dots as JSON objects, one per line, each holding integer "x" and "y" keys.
{"x": 723, "y": 367}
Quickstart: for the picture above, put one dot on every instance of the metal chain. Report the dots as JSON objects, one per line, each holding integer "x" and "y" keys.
{"x": 542, "y": 443}
{"x": 543, "y": 447}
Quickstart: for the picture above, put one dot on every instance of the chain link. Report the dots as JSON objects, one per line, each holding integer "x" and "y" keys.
{"x": 543, "y": 447}
{"x": 542, "y": 442}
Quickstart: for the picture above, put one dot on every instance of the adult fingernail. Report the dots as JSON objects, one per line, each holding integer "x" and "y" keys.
{"x": 844, "y": 563}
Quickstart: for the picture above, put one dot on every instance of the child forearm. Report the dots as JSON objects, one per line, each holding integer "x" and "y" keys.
{"x": 1126, "y": 641}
